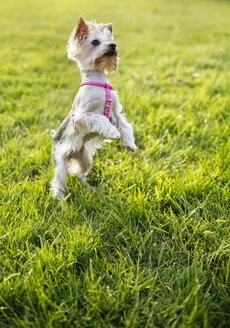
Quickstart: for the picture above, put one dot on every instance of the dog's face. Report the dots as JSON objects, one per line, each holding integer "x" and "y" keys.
{"x": 91, "y": 46}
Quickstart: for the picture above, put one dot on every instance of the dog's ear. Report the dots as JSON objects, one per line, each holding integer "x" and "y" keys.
{"x": 109, "y": 27}
{"x": 82, "y": 30}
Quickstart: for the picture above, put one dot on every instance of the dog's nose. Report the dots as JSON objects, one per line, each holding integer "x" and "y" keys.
{"x": 112, "y": 46}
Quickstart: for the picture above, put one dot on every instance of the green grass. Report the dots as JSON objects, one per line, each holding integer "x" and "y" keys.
{"x": 151, "y": 247}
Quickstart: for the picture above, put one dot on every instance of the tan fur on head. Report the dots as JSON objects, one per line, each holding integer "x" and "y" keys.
{"x": 90, "y": 46}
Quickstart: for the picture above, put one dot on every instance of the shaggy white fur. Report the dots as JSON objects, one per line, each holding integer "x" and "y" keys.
{"x": 85, "y": 128}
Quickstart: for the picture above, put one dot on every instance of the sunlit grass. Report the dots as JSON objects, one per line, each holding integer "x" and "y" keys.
{"x": 151, "y": 247}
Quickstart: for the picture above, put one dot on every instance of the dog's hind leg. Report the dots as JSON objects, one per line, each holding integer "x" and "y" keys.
{"x": 58, "y": 184}
{"x": 87, "y": 163}
{"x": 81, "y": 163}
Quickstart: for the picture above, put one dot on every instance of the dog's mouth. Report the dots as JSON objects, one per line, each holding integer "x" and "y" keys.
{"x": 111, "y": 53}
{"x": 108, "y": 60}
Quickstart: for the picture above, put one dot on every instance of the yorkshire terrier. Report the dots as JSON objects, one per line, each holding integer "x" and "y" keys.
{"x": 96, "y": 113}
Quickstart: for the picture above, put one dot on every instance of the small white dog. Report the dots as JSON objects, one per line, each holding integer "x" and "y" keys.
{"x": 96, "y": 111}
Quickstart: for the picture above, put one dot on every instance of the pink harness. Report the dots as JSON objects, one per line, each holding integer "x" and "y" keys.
{"x": 108, "y": 100}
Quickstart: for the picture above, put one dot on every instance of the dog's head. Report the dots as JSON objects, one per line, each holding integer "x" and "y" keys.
{"x": 91, "y": 46}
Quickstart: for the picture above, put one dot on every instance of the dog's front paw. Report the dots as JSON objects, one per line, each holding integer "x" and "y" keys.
{"x": 114, "y": 134}
{"x": 131, "y": 147}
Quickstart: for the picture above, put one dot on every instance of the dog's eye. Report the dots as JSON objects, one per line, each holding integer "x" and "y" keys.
{"x": 95, "y": 43}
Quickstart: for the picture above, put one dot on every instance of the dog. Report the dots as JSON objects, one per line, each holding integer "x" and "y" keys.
{"x": 96, "y": 113}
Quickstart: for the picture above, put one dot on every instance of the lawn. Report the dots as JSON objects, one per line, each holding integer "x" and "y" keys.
{"x": 151, "y": 246}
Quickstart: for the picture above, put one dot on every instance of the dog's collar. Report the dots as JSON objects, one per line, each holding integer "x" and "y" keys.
{"x": 108, "y": 100}
{"x": 98, "y": 84}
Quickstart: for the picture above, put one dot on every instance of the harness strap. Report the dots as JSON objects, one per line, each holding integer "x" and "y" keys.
{"x": 108, "y": 100}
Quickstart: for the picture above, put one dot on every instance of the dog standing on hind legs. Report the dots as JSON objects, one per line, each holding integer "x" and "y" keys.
{"x": 96, "y": 113}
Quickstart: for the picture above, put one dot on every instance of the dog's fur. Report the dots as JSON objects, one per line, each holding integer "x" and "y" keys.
{"x": 85, "y": 128}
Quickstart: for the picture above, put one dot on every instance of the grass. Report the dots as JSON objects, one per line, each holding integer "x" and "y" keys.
{"x": 151, "y": 247}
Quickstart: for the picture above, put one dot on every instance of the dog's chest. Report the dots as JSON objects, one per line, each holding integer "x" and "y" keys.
{"x": 94, "y": 99}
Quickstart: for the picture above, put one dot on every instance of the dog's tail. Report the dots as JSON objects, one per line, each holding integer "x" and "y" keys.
{"x": 52, "y": 133}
